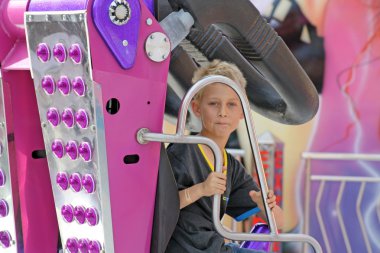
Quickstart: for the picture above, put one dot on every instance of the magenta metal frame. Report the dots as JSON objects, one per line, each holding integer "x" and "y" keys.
{"x": 140, "y": 91}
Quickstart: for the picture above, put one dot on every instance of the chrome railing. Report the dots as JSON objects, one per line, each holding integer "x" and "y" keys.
{"x": 308, "y": 156}
{"x": 144, "y": 136}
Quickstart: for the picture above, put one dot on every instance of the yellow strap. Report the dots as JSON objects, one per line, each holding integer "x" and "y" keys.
{"x": 208, "y": 161}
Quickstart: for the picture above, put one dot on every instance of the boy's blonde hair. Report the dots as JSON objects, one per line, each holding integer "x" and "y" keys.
{"x": 218, "y": 67}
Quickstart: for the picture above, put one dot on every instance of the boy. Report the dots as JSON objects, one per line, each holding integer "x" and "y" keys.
{"x": 219, "y": 109}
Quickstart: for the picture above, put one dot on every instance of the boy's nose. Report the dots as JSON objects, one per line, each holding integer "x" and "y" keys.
{"x": 222, "y": 111}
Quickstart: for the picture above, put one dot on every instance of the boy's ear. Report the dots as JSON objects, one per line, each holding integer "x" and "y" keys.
{"x": 242, "y": 115}
{"x": 241, "y": 112}
{"x": 195, "y": 107}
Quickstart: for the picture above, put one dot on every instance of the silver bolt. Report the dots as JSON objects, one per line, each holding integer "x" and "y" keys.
{"x": 163, "y": 57}
{"x": 93, "y": 128}
{"x": 43, "y": 124}
{"x": 149, "y": 21}
{"x": 165, "y": 39}
{"x": 140, "y": 135}
{"x": 64, "y": 17}
{"x": 125, "y": 43}
{"x": 150, "y": 54}
{"x": 151, "y": 36}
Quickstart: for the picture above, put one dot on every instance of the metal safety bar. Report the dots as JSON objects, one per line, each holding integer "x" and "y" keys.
{"x": 144, "y": 136}
{"x": 308, "y": 156}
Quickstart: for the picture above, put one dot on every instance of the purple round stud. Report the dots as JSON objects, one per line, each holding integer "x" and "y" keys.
{"x": 83, "y": 245}
{"x": 62, "y": 180}
{"x": 79, "y": 86}
{"x": 80, "y": 214}
{"x": 85, "y": 151}
{"x": 43, "y": 52}
{"x": 72, "y": 245}
{"x": 88, "y": 183}
{"x": 59, "y": 52}
{"x": 3, "y": 208}
{"x": 67, "y": 213}
{"x": 53, "y": 116}
{"x": 57, "y": 148}
{"x": 82, "y": 118}
{"x": 75, "y": 182}
{"x": 75, "y": 53}
{"x": 5, "y": 239}
{"x": 94, "y": 247}
{"x": 48, "y": 85}
{"x": 92, "y": 217}
{"x": 2, "y": 177}
{"x": 72, "y": 150}
{"x": 68, "y": 117}
{"x": 64, "y": 85}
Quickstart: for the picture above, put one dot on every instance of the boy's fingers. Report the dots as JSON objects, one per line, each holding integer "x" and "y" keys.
{"x": 222, "y": 176}
{"x": 218, "y": 176}
{"x": 272, "y": 199}
{"x": 220, "y": 192}
{"x": 220, "y": 179}
{"x": 222, "y": 188}
{"x": 223, "y": 183}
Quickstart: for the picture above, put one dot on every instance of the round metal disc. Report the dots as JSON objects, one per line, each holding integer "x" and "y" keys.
{"x": 157, "y": 46}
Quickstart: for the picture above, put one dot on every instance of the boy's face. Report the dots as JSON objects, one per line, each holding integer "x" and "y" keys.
{"x": 219, "y": 109}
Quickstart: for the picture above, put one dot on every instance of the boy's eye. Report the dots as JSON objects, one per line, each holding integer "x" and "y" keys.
{"x": 232, "y": 104}
{"x": 213, "y": 103}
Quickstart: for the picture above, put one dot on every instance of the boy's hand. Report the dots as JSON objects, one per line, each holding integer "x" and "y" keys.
{"x": 214, "y": 184}
{"x": 256, "y": 197}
